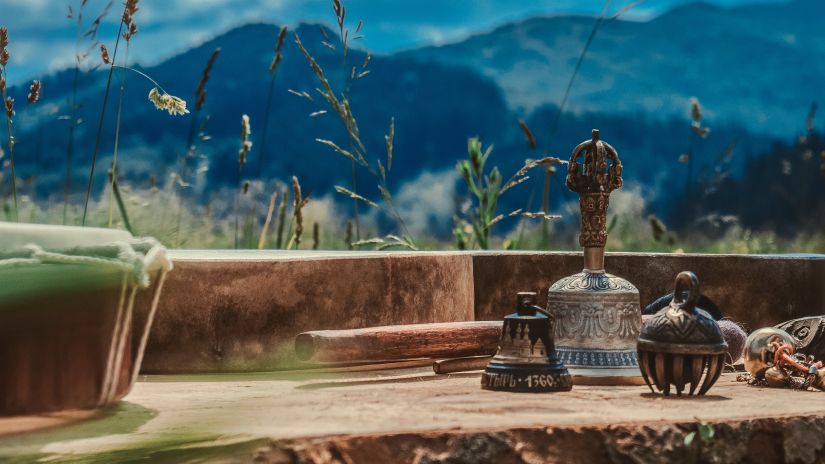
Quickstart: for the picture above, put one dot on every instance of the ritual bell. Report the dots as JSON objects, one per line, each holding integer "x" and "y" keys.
{"x": 682, "y": 345}
{"x": 597, "y": 315}
{"x": 526, "y": 360}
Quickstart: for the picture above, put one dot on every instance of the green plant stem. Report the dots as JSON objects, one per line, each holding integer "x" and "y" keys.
{"x": 282, "y": 219}
{"x": 160, "y": 87}
{"x": 122, "y": 206}
{"x": 100, "y": 126}
{"x": 238, "y": 204}
{"x": 67, "y": 187}
{"x": 11, "y": 149}
{"x": 265, "y": 130}
{"x": 117, "y": 139}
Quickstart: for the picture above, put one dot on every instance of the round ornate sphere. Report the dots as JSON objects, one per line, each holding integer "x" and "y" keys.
{"x": 758, "y": 351}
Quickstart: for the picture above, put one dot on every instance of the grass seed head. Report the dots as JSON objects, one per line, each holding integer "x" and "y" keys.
{"x": 200, "y": 93}
{"x": 34, "y": 92}
{"x": 695, "y": 110}
{"x": 170, "y": 103}
{"x": 246, "y": 144}
{"x": 9, "y": 107}
{"x": 4, "y": 42}
{"x": 129, "y": 10}
{"x": 279, "y": 44}
{"x": 104, "y": 54}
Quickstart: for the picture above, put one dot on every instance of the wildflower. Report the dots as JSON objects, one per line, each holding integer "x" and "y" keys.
{"x": 9, "y": 106}
{"x": 34, "y": 92}
{"x": 170, "y": 103}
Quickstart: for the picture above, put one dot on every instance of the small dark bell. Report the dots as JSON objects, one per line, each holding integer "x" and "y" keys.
{"x": 682, "y": 345}
{"x": 526, "y": 360}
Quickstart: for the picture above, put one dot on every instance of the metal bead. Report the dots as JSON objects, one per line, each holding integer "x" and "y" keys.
{"x": 758, "y": 351}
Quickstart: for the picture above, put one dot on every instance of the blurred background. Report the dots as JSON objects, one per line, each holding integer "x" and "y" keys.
{"x": 385, "y": 116}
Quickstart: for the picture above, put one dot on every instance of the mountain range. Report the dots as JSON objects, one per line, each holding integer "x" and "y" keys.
{"x": 755, "y": 69}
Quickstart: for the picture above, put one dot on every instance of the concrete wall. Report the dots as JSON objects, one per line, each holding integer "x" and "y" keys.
{"x": 238, "y": 311}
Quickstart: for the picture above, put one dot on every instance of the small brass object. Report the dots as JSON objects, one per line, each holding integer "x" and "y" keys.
{"x": 598, "y": 315}
{"x": 526, "y": 360}
{"x": 808, "y": 334}
{"x": 760, "y": 349}
{"x": 772, "y": 360}
{"x": 682, "y": 345}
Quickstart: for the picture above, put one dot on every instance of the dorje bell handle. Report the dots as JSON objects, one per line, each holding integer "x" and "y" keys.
{"x": 593, "y": 179}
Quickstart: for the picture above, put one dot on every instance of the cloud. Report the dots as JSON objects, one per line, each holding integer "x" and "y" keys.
{"x": 427, "y": 202}
{"x": 41, "y": 33}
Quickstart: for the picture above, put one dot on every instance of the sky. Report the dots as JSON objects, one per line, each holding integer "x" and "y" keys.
{"x": 42, "y": 38}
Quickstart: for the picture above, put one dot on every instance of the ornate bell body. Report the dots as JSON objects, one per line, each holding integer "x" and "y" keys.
{"x": 526, "y": 360}
{"x": 682, "y": 344}
{"x": 598, "y": 315}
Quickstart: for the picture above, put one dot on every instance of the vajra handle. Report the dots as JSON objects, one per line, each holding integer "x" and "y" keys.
{"x": 593, "y": 179}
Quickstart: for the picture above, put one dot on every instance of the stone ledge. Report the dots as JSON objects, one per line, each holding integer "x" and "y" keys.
{"x": 780, "y": 439}
{"x": 230, "y": 310}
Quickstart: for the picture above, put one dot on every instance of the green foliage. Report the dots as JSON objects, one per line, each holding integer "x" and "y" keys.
{"x": 485, "y": 189}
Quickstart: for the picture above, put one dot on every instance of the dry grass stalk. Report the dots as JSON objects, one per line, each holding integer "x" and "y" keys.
{"x": 100, "y": 122}
{"x": 81, "y": 53}
{"x": 316, "y": 235}
{"x": 521, "y": 175}
{"x": 8, "y": 104}
{"x": 528, "y": 134}
{"x": 104, "y": 54}
{"x": 341, "y": 107}
{"x": 273, "y": 67}
{"x": 355, "y": 196}
{"x": 279, "y": 44}
{"x": 200, "y": 93}
{"x": 696, "y": 116}
{"x": 809, "y": 120}
{"x": 348, "y": 236}
{"x": 389, "y": 139}
{"x": 298, "y": 203}
{"x": 113, "y": 171}
{"x": 34, "y": 92}
{"x": 246, "y": 146}
{"x": 129, "y": 10}
{"x": 267, "y": 221}
{"x": 279, "y": 238}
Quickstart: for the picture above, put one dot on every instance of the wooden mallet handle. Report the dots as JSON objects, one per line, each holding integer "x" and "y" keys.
{"x": 441, "y": 340}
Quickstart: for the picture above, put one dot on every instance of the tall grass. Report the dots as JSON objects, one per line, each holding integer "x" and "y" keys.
{"x": 81, "y": 52}
{"x": 8, "y": 106}
{"x": 357, "y": 152}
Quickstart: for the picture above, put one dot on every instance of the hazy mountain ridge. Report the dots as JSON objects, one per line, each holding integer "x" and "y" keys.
{"x": 438, "y": 97}
{"x": 761, "y": 64}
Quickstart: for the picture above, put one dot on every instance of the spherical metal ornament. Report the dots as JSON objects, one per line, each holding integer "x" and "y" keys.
{"x": 758, "y": 351}
{"x": 682, "y": 345}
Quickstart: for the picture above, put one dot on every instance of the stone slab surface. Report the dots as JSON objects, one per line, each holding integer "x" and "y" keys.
{"x": 234, "y": 310}
{"x": 226, "y": 311}
{"x": 417, "y": 416}
{"x": 755, "y": 290}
